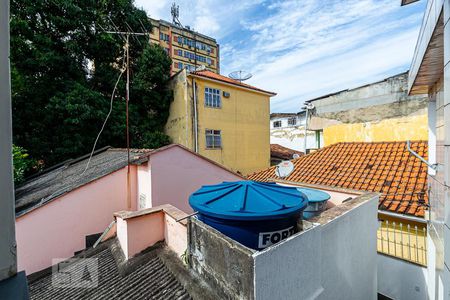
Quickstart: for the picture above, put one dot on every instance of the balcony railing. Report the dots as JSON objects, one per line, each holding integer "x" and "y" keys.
{"x": 404, "y": 241}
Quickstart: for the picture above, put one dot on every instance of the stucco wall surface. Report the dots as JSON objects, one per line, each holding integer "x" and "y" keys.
{"x": 58, "y": 229}
{"x": 398, "y": 279}
{"x": 177, "y": 173}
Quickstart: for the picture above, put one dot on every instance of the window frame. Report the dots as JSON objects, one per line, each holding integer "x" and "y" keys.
{"x": 210, "y": 100}
{"x": 216, "y": 135}
{"x": 290, "y": 119}
{"x": 277, "y": 122}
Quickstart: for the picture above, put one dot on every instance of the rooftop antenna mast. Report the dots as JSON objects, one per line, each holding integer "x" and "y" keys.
{"x": 175, "y": 12}
{"x": 127, "y": 51}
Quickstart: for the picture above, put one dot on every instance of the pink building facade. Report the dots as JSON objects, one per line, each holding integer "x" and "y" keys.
{"x": 59, "y": 228}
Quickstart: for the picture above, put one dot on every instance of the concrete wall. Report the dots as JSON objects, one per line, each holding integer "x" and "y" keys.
{"x": 395, "y": 129}
{"x": 223, "y": 263}
{"x": 439, "y": 229}
{"x": 58, "y": 229}
{"x": 138, "y": 230}
{"x": 177, "y": 173}
{"x": 380, "y": 111}
{"x": 399, "y": 279}
{"x": 291, "y": 269}
{"x": 8, "y": 259}
{"x": 293, "y": 137}
{"x": 332, "y": 258}
{"x": 336, "y": 260}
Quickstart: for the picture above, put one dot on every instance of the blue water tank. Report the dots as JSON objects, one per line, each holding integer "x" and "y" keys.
{"x": 255, "y": 214}
{"x": 317, "y": 202}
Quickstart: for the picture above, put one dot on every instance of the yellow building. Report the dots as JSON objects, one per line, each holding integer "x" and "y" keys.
{"x": 222, "y": 119}
{"x": 187, "y": 48}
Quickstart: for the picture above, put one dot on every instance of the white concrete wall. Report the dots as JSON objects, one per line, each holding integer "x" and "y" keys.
{"x": 347, "y": 268}
{"x": 293, "y": 136}
{"x": 399, "y": 279}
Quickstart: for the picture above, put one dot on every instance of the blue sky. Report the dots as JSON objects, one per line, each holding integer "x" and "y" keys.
{"x": 306, "y": 48}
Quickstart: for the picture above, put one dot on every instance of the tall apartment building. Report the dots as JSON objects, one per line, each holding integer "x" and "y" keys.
{"x": 187, "y": 48}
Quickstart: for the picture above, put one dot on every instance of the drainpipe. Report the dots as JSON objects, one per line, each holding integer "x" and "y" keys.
{"x": 194, "y": 92}
{"x": 308, "y": 106}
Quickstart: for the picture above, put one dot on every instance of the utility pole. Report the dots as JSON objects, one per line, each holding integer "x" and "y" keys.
{"x": 127, "y": 45}
{"x": 127, "y": 100}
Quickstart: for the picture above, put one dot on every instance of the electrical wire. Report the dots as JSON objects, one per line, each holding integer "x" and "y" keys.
{"x": 106, "y": 119}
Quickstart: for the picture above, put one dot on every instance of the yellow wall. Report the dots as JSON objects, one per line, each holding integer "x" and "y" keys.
{"x": 179, "y": 123}
{"x": 413, "y": 127}
{"x": 243, "y": 120}
{"x": 402, "y": 238}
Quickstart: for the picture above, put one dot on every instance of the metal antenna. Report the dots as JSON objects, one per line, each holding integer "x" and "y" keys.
{"x": 175, "y": 12}
{"x": 127, "y": 50}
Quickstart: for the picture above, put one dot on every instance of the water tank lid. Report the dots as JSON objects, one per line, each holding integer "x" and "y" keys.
{"x": 314, "y": 195}
{"x": 248, "y": 200}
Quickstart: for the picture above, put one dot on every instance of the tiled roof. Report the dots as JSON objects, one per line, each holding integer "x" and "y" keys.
{"x": 215, "y": 76}
{"x": 384, "y": 167}
{"x": 60, "y": 179}
{"x": 70, "y": 175}
{"x": 146, "y": 278}
{"x": 278, "y": 151}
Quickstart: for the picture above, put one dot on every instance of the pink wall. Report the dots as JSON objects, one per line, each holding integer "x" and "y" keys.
{"x": 142, "y": 232}
{"x": 139, "y": 230}
{"x": 177, "y": 173}
{"x": 58, "y": 229}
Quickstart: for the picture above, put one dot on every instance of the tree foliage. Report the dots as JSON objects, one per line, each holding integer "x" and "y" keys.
{"x": 63, "y": 70}
{"x": 22, "y": 163}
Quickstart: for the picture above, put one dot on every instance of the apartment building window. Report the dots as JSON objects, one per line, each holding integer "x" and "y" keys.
{"x": 277, "y": 124}
{"x": 213, "y": 139}
{"x": 212, "y": 97}
{"x": 292, "y": 121}
{"x": 164, "y": 37}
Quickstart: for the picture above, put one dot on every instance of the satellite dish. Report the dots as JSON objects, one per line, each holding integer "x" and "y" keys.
{"x": 240, "y": 75}
{"x": 284, "y": 169}
{"x": 295, "y": 156}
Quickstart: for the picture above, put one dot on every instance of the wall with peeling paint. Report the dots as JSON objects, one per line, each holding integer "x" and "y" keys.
{"x": 381, "y": 111}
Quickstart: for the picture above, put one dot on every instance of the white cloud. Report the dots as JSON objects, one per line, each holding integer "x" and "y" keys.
{"x": 309, "y": 48}
{"x": 304, "y": 48}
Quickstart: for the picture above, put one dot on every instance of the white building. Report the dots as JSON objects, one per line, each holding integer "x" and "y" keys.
{"x": 288, "y": 130}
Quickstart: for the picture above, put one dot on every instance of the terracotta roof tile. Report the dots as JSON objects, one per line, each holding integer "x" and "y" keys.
{"x": 384, "y": 167}
{"x": 215, "y": 76}
{"x": 281, "y": 152}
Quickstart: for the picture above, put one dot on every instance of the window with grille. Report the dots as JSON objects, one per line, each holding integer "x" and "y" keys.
{"x": 292, "y": 121}
{"x": 213, "y": 139}
{"x": 212, "y": 97}
{"x": 276, "y": 124}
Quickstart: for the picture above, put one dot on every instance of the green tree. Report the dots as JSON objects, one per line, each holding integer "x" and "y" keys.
{"x": 22, "y": 163}
{"x": 64, "y": 67}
